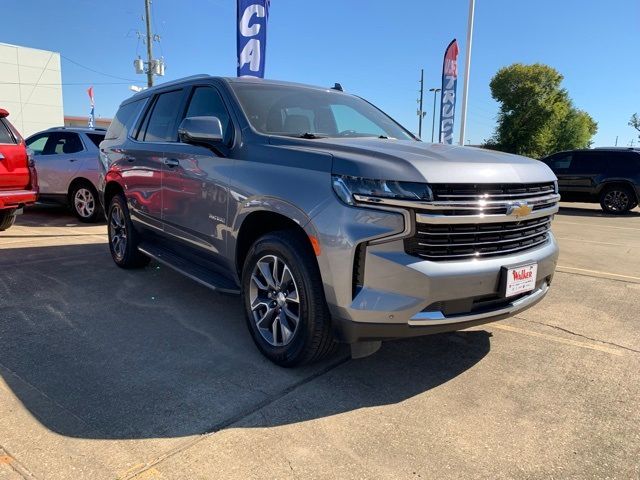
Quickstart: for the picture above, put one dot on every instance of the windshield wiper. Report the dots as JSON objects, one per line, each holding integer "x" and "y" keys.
{"x": 384, "y": 137}
{"x": 312, "y": 136}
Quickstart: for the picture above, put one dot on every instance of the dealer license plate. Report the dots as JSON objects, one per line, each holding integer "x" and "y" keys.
{"x": 521, "y": 279}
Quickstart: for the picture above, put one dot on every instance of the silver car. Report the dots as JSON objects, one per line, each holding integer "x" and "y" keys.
{"x": 67, "y": 164}
{"x": 333, "y": 222}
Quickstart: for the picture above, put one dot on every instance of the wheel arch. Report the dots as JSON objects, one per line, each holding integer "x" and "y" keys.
{"x": 111, "y": 189}
{"x": 259, "y": 223}
{"x": 621, "y": 182}
{"x": 80, "y": 181}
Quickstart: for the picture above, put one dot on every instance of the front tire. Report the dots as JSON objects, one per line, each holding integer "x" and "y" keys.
{"x": 7, "y": 218}
{"x": 84, "y": 203}
{"x": 282, "y": 292}
{"x": 123, "y": 238}
{"x": 617, "y": 199}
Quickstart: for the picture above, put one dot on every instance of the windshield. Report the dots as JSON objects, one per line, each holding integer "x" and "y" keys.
{"x": 299, "y": 111}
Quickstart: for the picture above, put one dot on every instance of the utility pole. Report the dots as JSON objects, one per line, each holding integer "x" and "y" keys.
{"x": 150, "y": 62}
{"x": 152, "y": 66}
{"x": 616, "y": 140}
{"x": 433, "y": 122}
{"x": 467, "y": 67}
{"x": 420, "y": 111}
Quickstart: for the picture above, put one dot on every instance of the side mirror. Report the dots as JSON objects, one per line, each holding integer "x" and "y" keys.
{"x": 200, "y": 130}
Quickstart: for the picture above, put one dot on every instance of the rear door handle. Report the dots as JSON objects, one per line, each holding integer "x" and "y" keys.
{"x": 171, "y": 162}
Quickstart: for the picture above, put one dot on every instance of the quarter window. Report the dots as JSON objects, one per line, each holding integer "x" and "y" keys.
{"x": 561, "y": 162}
{"x": 124, "y": 118}
{"x": 162, "y": 122}
{"x": 5, "y": 134}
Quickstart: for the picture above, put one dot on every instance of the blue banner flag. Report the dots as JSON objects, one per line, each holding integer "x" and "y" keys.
{"x": 448, "y": 93}
{"x": 252, "y": 37}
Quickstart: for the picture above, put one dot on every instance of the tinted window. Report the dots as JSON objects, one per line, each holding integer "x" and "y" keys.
{"x": 588, "y": 163}
{"x": 207, "y": 102}
{"x": 162, "y": 122}
{"x": 38, "y": 143}
{"x": 64, "y": 143}
{"x": 96, "y": 138}
{"x": 625, "y": 163}
{"x": 560, "y": 162}
{"x": 5, "y": 134}
{"x": 124, "y": 118}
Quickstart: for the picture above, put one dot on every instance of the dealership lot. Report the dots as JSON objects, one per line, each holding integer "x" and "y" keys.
{"x": 106, "y": 373}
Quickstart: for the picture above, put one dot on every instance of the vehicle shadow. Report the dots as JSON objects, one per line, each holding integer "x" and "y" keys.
{"x": 93, "y": 351}
{"x": 51, "y": 215}
{"x": 592, "y": 212}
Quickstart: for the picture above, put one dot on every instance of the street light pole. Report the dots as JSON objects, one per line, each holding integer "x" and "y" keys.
{"x": 467, "y": 67}
{"x": 433, "y": 121}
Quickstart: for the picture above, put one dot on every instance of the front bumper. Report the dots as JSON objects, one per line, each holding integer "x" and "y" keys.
{"x": 404, "y": 296}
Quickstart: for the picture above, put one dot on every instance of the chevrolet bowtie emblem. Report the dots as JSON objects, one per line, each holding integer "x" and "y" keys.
{"x": 520, "y": 209}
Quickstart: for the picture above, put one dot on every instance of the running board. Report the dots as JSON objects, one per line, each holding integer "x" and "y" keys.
{"x": 200, "y": 274}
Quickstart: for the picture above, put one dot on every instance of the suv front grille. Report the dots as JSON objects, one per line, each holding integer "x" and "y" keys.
{"x": 482, "y": 220}
{"x": 459, "y": 241}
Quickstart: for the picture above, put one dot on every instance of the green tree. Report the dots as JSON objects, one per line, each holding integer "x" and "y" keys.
{"x": 635, "y": 122}
{"x": 536, "y": 115}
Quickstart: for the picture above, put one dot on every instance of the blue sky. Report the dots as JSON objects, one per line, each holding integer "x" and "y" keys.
{"x": 375, "y": 48}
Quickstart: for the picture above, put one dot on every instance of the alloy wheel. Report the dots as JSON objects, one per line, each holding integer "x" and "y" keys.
{"x": 118, "y": 232}
{"x": 84, "y": 202}
{"x": 275, "y": 302}
{"x": 616, "y": 200}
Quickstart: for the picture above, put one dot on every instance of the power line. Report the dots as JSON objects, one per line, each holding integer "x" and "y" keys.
{"x": 64, "y": 84}
{"x": 96, "y": 71}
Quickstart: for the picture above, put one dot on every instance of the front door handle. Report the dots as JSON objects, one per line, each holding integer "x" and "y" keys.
{"x": 171, "y": 162}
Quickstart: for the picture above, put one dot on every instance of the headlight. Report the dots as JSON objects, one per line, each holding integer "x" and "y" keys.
{"x": 346, "y": 187}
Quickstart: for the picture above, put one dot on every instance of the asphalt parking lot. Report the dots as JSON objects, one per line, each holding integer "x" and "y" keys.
{"x": 106, "y": 373}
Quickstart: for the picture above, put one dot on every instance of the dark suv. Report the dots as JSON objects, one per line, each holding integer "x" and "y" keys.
{"x": 332, "y": 220}
{"x": 610, "y": 176}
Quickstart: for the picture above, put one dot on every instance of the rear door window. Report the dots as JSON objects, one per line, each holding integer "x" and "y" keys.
{"x": 161, "y": 126}
{"x": 64, "y": 143}
{"x": 588, "y": 163}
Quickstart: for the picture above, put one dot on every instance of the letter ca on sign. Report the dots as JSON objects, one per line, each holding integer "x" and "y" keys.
{"x": 251, "y": 52}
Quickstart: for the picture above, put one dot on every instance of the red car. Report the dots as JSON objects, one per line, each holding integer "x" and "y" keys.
{"x": 18, "y": 179}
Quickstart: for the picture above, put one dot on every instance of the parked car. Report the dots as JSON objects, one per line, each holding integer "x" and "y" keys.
{"x": 18, "y": 179}
{"x": 67, "y": 163}
{"x": 333, "y": 222}
{"x": 610, "y": 176}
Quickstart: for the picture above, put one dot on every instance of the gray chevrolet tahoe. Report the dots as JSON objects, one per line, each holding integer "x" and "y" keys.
{"x": 332, "y": 221}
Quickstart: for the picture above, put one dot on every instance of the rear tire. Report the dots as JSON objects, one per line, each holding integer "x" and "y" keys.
{"x": 7, "y": 218}
{"x": 617, "y": 199}
{"x": 84, "y": 202}
{"x": 284, "y": 301}
{"x": 123, "y": 238}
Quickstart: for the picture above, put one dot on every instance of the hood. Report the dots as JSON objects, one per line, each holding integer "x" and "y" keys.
{"x": 409, "y": 160}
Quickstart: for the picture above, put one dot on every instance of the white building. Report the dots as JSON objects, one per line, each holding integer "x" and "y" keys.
{"x": 31, "y": 88}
